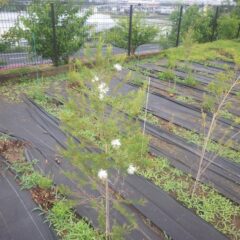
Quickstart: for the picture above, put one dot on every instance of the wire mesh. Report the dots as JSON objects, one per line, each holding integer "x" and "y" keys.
{"x": 16, "y": 52}
{"x": 109, "y": 21}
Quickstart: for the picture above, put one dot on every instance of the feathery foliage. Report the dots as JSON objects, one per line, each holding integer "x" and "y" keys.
{"x": 104, "y": 118}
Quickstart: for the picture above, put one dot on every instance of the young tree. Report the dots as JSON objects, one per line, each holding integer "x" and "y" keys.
{"x": 141, "y": 33}
{"x": 218, "y": 99}
{"x": 193, "y": 18}
{"x": 111, "y": 140}
{"x": 228, "y": 26}
{"x": 36, "y": 28}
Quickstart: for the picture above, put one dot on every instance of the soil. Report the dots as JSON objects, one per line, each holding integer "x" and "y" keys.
{"x": 12, "y": 150}
{"x": 43, "y": 197}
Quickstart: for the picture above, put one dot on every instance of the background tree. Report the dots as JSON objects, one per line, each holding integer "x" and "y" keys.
{"x": 141, "y": 33}
{"x": 36, "y": 28}
{"x": 228, "y": 26}
{"x": 201, "y": 22}
{"x": 196, "y": 19}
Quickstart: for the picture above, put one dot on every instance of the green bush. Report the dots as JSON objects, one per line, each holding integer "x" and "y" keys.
{"x": 36, "y": 28}
{"x": 3, "y": 46}
{"x": 227, "y": 27}
{"x": 141, "y": 33}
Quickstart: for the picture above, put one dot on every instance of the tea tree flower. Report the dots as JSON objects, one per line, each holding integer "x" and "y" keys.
{"x": 116, "y": 143}
{"x": 102, "y": 174}
{"x": 95, "y": 79}
{"x": 118, "y": 67}
{"x": 131, "y": 169}
{"x": 103, "y": 89}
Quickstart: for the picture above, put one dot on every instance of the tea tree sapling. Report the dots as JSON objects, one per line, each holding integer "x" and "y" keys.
{"x": 111, "y": 145}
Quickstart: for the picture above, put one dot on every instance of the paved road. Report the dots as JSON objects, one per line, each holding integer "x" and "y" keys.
{"x": 116, "y": 50}
{"x": 24, "y": 58}
{"x": 19, "y": 59}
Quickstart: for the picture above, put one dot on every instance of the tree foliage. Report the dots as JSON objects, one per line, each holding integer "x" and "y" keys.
{"x": 36, "y": 28}
{"x": 141, "y": 33}
{"x": 196, "y": 19}
{"x": 201, "y": 22}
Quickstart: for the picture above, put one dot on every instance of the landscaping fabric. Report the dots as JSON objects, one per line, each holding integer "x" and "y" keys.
{"x": 184, "y": 116}
{"x": 18, "y": 221}
{"x": 222, "y": 173}
{"x": 35, "y": 126}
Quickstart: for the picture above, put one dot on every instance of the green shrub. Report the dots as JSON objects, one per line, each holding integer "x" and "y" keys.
{"x": 141, "y": 33}
{"x": 66, "y": 224}
{"x": 227, "y": 27}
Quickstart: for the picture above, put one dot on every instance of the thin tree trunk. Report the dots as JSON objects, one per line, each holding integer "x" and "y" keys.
{"x": 107, "y": 210}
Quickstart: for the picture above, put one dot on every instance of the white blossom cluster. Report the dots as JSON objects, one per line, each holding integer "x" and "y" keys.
{"x": 118, "y": 67}
{"x": 103, "y": 89}
{"x": 95, "y": 79}
{"x": 115, "y": 143}
{"x": 102, "y": 174}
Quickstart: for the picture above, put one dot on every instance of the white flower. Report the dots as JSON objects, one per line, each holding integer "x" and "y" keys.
{"x": 102, "y": 174}
{"x": 103, "y": 89}
{"x": 101, "y": 96}
{"x": 116, "y": 143}
{"x": 118, "y": 67}
{"x": 131, "y": 169}
{"x": 95, "y": 79}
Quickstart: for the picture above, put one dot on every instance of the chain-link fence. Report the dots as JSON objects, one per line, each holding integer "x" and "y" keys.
{"x": 45, "y": 33}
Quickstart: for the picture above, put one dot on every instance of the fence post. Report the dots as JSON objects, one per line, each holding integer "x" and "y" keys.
{"x": 130, "y": 30}
{"x": 238, "y": 32}
{"x": 214, "y": 23}
{"x": 54, "y": 36}
{"x": 179, "y": 25}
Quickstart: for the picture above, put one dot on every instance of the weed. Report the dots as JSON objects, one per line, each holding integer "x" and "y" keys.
{"x": 190, "y": 80}
{"x": 168, "y": 75}
{"x": 13, "y": 91}
{"x": 212, "y": 146}
{"x": 185, "y": 99}
{"x": 150, "y": 118}
{"x": 29, "y": 178}
{"x": 208, "y": 204}
{"x": 66, "y": 224}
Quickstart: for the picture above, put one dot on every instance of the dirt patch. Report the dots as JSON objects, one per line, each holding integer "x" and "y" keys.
{"x": 12, "y": 150}
{"x": 43, "y": 197}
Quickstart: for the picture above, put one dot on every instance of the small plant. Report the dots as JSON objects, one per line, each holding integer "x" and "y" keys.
{"x": 207, "y": 203}
{"x": 190, "y": 80}
{"x": 66, "y": 224}
{"x": 168, "y": 75}
{"x": 35, "y": 179}
{"x": 172, "y": 90}
{"x": 185, "y": 99}
{"x": 220, "y": 98}
{"x": 29, "y": 178}
{"x": 217, "y": 148}
{"x": 150, "y": 118}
